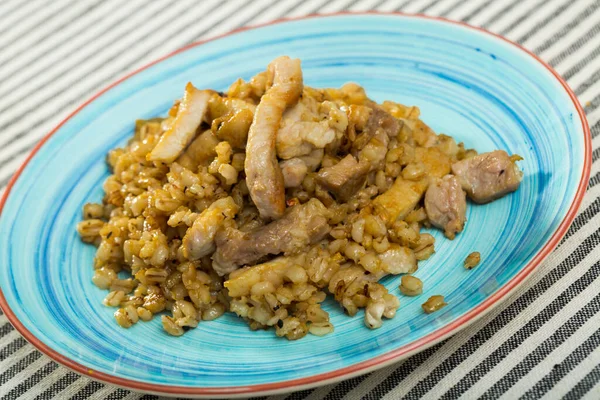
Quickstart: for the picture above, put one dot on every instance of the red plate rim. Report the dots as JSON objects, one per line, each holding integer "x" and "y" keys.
{"x": 359, "y": 368}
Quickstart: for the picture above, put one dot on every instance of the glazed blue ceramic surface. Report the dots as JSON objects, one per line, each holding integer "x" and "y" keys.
{"x": 468, "y": 84}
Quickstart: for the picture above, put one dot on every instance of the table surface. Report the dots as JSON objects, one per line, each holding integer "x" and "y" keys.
{"x": 541, "y": 342}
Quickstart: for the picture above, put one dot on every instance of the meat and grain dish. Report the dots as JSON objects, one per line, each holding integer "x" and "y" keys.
{"x": 264, "y": 200}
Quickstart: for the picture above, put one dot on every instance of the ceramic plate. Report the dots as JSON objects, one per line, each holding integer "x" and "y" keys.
{"x": 472, "y": 85}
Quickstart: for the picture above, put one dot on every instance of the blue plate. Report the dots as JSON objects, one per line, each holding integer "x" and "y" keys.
{"x": 470, "y": 84}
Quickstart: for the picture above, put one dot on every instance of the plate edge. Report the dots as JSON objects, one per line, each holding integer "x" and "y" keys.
{"x": 352, "y": 370}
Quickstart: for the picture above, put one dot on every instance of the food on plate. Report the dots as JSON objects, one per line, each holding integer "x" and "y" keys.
{"x": 433, "y": 304}
{"x": 472, "y": 260}
{"x": 446, "y": 205}
{"x": 264, "y": 200}
{"x": 489, "y": 176}
{"x": 411, "y": 285}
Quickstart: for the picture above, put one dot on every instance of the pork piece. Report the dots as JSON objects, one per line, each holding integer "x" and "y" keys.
{"x": 379, "y": 120}
{"x": 189, "y": 116}
{"x": 302, "y": 225}
{"x": 345, "y": 178}
{"x": 199, "y": 240}
{"x": 446, "y": 205}
{"x": 488, "y": 176}
{"x": 400, "y": 199}
{"x": 294, "y": 170}
{"x": 263, "y": 175}
{"x": 200, "y": 152}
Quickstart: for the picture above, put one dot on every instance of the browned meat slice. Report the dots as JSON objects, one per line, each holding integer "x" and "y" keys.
{"x": 446, "y": 205}
{"x": 301, "y": 226}
{"x": 263, "y": 175}
{"x": 488, "y": 176}
{"x": 344, "y": 178}
{"x": 189, "y": 117}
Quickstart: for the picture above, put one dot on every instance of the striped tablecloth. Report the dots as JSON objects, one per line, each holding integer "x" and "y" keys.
{"x": 542, "y": 342}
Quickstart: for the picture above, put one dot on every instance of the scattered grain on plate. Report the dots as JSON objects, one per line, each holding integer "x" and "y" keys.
{"x": 472, "y": 260}
{"x": 434, "y": 303}
{"x": 411, "y": 285}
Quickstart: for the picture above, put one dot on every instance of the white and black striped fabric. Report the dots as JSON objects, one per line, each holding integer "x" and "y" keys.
{"x": 542, "y": 342}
